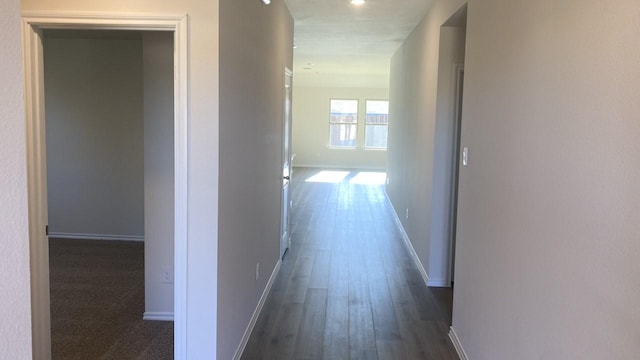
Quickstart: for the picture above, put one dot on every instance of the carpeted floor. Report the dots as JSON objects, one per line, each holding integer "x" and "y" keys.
{"x": 97, "y": 302}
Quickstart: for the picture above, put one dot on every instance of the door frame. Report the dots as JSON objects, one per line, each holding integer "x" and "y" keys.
{"x": 32, "y": 25}
{"x": 286, "y": 158}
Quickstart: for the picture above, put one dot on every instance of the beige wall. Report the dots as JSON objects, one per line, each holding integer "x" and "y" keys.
{"x": 253, "y": 56}
{"x": 15, "y": 312}
{"x": 95, "y": 170}
{"x": 202, "y": 224}
{"x": 311, "y": 110}
{"x": 547, "y": 255}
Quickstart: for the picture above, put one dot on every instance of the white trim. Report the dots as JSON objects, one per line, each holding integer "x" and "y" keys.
{"x": 181, "y": 186}
{"x": 407, "y": 243}
{"x": 37, "y": 183}
{"x": 79, "y": 236}
{"x": 256, "y": 312}
{"x": 32, "y": 24}
{"x": 457, "y": 344}
{"x": 438, "y": 283}
{"x": 157, "y": 316}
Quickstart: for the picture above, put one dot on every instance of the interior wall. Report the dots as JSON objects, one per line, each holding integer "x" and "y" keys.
{"x": 546, "y": 258}
{"x": 157, "y": 57}
{"x": 548, "y": 247}
{"x": 202, "y": 222}
{"x": 412, "y": 117}
{"x": 253, "y": 56}
{"x": 311, "y": 112}
{"x": 15, "y": 312}
{"x": 95, "y": 161}
{"x": 451, "y": 55}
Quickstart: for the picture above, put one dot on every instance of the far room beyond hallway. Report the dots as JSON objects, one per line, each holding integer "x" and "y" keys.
{"x": 348, "y": 287}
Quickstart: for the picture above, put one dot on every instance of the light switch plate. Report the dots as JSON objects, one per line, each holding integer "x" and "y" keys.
{"x": 465, "y": 156}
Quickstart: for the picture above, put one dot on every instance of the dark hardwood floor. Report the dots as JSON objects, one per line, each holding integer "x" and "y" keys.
{"x": 348, "y": 288}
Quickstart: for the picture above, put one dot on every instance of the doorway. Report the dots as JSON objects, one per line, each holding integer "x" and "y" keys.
{"x": 109, "y": 154}
{"x": 33, "y": 28}
{"x": 447, "y": 149}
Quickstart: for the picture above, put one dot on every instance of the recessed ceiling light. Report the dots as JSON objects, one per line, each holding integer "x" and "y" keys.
{"x": 266, "y": 2}
{"x": 357, "y": 2}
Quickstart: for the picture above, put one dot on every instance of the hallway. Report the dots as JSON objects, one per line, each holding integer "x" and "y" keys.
{"x": 348, "y": 288}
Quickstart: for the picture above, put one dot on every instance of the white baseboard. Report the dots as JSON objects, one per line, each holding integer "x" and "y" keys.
{"x": 157, "y": 315}
{"x": 438, "y": 283}
{"x": 256, "y": 312}
{"x": 457, "y": 344}
{"x": 80, "y": 236}
{"x": 409, "y": 246}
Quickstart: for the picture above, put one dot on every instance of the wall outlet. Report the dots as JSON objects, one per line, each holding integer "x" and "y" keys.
{"x": 257, "y": 271}
{"x": 407, "y": 214}
{"x": 167, "y": 276}
{"x": 387, "y": 180}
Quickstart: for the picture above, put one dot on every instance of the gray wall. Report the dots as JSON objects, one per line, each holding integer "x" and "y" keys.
{"x": 15, "y": 312}
{"x": 547, "y": 246}
{"x": 95, "y": 162}
{"x": 311, "y": 110}
{"x": 253, "y": 56}
{"x": 157, "y": 55}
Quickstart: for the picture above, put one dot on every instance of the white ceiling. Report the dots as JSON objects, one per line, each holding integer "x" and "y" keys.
{"x": 350, "y": 45}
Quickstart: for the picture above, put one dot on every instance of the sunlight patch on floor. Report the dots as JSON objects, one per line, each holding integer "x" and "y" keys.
{"x": 369, "y": 178}
{"x": 327, "y": 176}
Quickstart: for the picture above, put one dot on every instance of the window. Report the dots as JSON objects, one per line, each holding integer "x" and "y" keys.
{"x": 376, "y": 124}
{"x": 343, "y": 123}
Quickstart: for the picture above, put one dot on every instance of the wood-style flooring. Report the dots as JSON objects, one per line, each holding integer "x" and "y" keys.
{"x": 348, "y": 288}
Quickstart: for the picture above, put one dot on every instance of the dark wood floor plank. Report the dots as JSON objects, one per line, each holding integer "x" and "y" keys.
{"x": 311, "y": 331}
{"x": 338, "y": 276}
{"x": 336, "y": 330}
{"x": 282, "y": 341}
{"x": 390, "y": 350}
{"x": 321, "y": 270}
{"x": 383, "y": 310}
{"x": 301, "y": 273}
{"x": 361, "y": 330}
{"x": 363, "y": 355}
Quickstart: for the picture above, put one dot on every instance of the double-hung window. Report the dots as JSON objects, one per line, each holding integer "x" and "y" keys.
{"x": 376, "y": 124}
{"x": 343, "y": 123}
